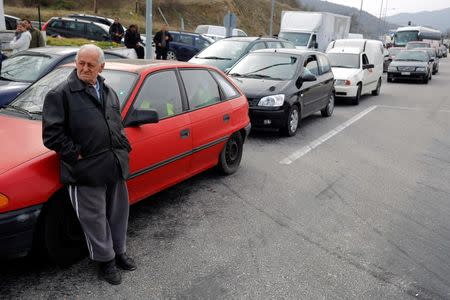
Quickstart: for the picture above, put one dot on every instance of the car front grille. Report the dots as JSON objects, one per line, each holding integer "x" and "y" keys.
{"x": 406, "y": 69}
{"x": 253, "y": 101}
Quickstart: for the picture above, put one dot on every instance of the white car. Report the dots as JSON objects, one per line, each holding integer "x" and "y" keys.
{"x": 357, "y": 67}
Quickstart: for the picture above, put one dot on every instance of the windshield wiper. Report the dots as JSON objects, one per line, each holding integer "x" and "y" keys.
{"x": 4, "y": 78}
{"x": 21, "y": 110}
{"x": 235, "y": 74}
{"x": 257, "y": 75}
{"x": 214, "y": 57}
{"x": 345, "y": 67}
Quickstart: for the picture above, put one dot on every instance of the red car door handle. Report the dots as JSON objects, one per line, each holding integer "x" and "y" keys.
{"x": 226, "y": 118}
{"x": 184, "y": 133}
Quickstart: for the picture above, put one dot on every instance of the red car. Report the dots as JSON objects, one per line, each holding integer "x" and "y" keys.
{"x": 201, "y": 121}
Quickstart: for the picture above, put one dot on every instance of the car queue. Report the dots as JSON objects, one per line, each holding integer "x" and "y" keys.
{"x": 192, "y": 115}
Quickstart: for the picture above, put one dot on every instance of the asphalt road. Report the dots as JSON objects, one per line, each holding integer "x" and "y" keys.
{"x": 360, "y": 212}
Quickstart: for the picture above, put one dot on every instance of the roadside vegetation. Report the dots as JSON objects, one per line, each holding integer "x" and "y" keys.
{"x": 51, "y": 41}
{"x": 253, "y": 15}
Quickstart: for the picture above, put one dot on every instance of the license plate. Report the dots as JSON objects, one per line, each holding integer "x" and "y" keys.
{"x": 406, "y": 73}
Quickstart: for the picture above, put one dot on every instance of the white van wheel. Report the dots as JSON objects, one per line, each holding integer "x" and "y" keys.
{"x": 376, "y": 92}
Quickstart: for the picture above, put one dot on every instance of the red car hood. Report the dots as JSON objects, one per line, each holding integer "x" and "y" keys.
{"x": 20, "y": 141}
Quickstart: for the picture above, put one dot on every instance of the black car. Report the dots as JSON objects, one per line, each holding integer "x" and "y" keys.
{"x": 224, "y": 53}
{"x": 285, "y": 85}
{"x": 186, "y": 44}
{"x": 77, "y": 28}
{"x": 93, "y": 18}
{"x": 411, "y": 65}
{"x": 22, "y": 69}
{"x": 434, "y": 56}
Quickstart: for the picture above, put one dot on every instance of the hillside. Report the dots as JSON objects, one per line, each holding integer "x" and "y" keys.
{"x": 253, "y": 15}
{"x": 438, "y": 19}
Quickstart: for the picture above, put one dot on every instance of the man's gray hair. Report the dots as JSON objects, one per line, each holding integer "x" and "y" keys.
{"x": 92, "y": 47}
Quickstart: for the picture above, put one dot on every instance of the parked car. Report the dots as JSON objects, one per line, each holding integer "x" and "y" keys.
{"x": 186, "y": 44}
{"x": 357, "y": 67}
{"x": 392, "y": 52}
{"x": 76, "y": 28}
{"x": 285, "y": 85}
{"x": 93, "y": 18}
{"x": 24, "y": 68}
{"x": 444, "y": 50}
{"x": 195, "y": 119}
{"x": 411, "y": 65}
{"x": 433, "y": 53}
{"x": 225, "y": 53}
{"x": 218, "y": 32}
{"x": 11, "y": 22}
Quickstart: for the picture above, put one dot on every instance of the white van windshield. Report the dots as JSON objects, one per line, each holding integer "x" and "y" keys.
{"x": 299, "y": 39}
{"x": 344, "y": 60}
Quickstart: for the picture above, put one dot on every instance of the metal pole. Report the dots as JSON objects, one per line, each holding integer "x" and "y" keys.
{"x": 379, "y": 20}
{"x": 360, "y": 15}
{"x": 272, "y": 12}
{"x": 149, "y": 30}
{"x": 2, "y": 16}
{"x": 39, "y": 14}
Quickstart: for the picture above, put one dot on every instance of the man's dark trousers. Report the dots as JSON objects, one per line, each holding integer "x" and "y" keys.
{"x": 161, "y": 53}
{"x": 103, "y": 214}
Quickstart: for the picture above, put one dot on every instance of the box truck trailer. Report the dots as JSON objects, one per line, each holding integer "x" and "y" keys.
{"x": 313, "y": 30}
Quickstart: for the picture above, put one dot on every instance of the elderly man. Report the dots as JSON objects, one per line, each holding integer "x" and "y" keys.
{"x": 82, "y": 123}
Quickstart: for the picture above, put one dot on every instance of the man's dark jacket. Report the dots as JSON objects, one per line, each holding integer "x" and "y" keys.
{"x": 132, "y": 38}
{"x": 158, "y": 39}
{"x": 75, "y": 123}
{"x": 116, "y": 28}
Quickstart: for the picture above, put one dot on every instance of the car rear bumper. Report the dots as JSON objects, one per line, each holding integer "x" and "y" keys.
{"x": 265, "y": 118}
{"x": 247, "y": 129}
{"x": 345, "y": 91}
{"x": 411, "y": 76}
{"x": 16, "y": 231}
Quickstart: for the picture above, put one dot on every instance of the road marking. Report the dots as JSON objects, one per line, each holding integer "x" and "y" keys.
{"x": 316, "y": 143}
{"x": 412, "y": 108}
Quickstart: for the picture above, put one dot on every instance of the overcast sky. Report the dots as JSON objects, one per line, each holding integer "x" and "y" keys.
{"x": 396, "y": 6}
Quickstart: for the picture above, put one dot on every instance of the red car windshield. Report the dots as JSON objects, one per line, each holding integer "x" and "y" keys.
{"x": 32, "y": 99}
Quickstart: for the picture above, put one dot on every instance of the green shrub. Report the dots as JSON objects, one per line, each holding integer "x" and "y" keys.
{"x": 51, "y": 41}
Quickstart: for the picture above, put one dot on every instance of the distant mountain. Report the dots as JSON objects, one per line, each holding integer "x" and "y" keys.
{"x": 369, "y": 25}
{"x": 439, "y": 19}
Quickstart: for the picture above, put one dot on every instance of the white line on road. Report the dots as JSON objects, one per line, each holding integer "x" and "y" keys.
{"x": 316, "y": 143}
{"x": 412, "y": 108}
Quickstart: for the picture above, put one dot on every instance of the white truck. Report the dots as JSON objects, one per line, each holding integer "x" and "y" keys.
{"x": 313, "y": 30}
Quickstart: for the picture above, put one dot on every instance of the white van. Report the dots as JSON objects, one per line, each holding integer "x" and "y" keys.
{"x": 357, "y": 67}
{"x": 218, "y": 32}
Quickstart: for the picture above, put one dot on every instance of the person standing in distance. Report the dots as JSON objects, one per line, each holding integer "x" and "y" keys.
{"x": 21, "y": 40}
{"x": 116, "y": 31}
{"x": 133, "y": 40}
{"x": 37, "y": 40}
{"x": 162, "y": 39}
{"x": 82, "y": 123}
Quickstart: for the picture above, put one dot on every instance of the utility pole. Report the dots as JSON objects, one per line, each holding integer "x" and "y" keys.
{"x": 95, "y": 7}
{"x": 148, "y": 30}
{"x": 360, "y": 16}
{"x": 379, "y": 20}
{"x": 2, "y": 16}
{"x": 272, "y": 12}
